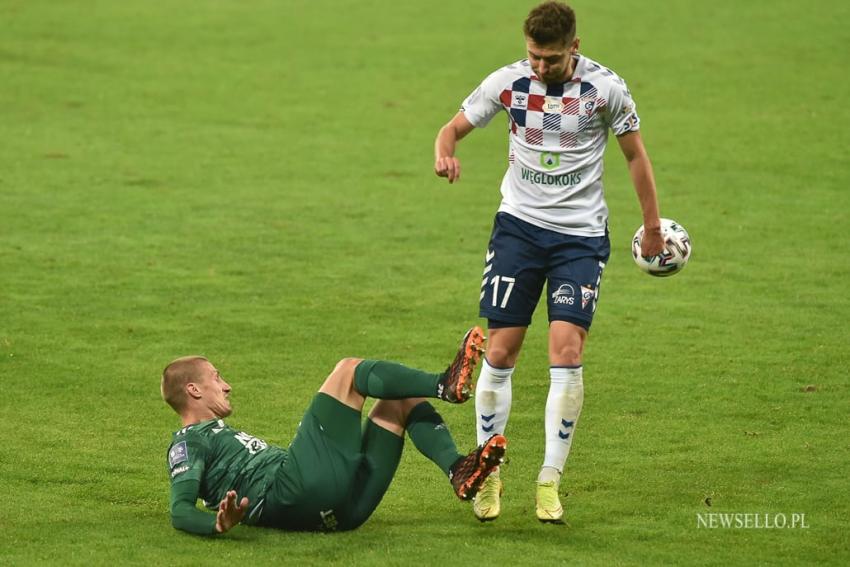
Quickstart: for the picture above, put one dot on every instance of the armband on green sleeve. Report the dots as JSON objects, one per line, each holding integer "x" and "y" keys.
{"x": 185, "y": 514}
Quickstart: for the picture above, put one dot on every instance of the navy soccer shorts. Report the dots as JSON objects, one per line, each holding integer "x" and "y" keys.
{"x": 522, "y": 256}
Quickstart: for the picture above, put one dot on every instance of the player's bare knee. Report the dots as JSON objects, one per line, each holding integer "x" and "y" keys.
{"x": 501, "y": 357}
{"x": 566, "y": 358}
{"x": 341, "y": 378}
{"x": 344, "y": 369}
{"x": 347, "y": 365}
{"x": 388, "y": 409}
{"x": 389, "y": 414}
{"x": 566, "y": 355}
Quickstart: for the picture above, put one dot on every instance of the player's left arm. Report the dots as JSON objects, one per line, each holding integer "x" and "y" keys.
{"x": 184, "y": 512}
{"x": 640, "y": 170}
{"x": 187, "y": 463}
{"x": 186, "y": 516}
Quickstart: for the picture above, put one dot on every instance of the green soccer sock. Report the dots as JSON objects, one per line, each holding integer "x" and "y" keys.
{"x": 393, "y": 381}
{"x": 431, "y": 436}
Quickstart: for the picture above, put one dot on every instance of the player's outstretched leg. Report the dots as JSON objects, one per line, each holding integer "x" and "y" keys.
{"x": 468, "y": 473}
{"x": 393, "y": 381}
{"x": 456, "y": 383}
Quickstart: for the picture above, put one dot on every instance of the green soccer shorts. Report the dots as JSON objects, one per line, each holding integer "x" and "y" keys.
{"x": 336, "y": 473}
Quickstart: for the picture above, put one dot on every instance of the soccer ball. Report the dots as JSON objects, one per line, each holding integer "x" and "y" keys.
{"x": 674, "y": 257}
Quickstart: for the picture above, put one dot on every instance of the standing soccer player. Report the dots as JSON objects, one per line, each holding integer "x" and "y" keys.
{"x": 551, "y": 225}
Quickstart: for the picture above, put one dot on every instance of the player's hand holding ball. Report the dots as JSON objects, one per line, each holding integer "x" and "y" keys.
{"x": 674, "y": 256}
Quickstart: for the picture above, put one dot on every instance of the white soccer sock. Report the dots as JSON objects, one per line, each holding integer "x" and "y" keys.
{"x": 492, "y": 401}
{"x": 563, "y": 406}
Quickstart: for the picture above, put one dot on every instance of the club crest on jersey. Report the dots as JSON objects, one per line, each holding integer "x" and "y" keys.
{"x": 564, "y": 295}
{"x": 178, "y": 454}
{"x": 587, "y": 293}
{"x": 550, "y": 160}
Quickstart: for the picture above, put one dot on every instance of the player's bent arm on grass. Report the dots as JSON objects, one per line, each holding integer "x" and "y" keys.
{"x": 445, "y": 162}
{"x": 640, "y": 170}
{"x": 186, "y": 516}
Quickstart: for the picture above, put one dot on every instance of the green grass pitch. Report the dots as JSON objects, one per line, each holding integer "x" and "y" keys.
{"x": 253, "y": 181}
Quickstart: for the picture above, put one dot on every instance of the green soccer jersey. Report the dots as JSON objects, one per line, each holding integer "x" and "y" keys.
{"x": 209, "y": 458}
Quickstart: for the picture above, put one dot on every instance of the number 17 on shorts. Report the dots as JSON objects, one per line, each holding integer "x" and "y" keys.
{"x": 505, "y": 292}
{"x": 503, "y": 298}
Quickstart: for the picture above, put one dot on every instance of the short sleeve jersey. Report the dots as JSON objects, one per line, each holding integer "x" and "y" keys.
{"x": 222, "y": 458}
{"x": 557, "y": 139}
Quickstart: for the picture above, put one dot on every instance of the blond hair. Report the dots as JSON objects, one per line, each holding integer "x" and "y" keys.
{"x": 176, "y": 375}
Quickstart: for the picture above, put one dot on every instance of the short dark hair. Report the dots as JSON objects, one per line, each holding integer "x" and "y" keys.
{"x": 551, "y": 22}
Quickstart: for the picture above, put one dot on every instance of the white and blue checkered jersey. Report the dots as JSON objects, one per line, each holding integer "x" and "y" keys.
{"x": 557, "y": 139}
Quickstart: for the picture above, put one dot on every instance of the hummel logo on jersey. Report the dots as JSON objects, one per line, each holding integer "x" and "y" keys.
{"x": 564, "y": 295}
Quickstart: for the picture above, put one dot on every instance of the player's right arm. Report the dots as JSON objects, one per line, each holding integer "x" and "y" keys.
{"x": 445, "y": 162}
{"x": 475, "y": 112}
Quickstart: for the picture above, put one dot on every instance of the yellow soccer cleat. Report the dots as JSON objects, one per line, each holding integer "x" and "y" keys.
{"x": 487, "y": 504}
{"x": 549, "y": 507}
